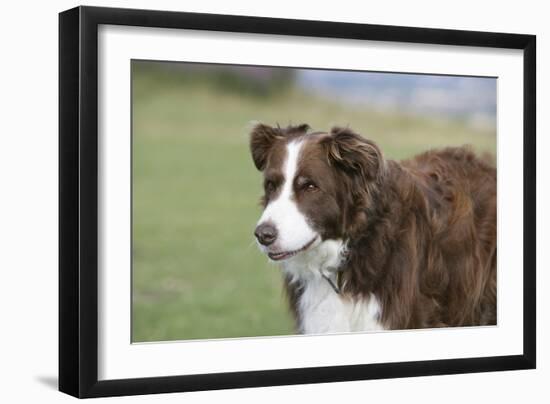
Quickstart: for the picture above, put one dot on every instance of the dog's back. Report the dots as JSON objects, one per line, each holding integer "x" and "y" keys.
{"x": 460, "y": 190}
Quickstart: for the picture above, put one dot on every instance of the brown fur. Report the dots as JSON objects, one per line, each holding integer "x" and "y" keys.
{"x": 421, "y": 233}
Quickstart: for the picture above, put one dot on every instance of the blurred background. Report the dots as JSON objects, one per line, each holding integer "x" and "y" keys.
{"x": 196, "y": 270}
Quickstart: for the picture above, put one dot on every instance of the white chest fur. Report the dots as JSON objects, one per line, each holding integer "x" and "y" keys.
{"x": 321, "y": 309}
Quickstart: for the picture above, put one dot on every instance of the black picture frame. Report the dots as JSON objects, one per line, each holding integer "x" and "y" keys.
{"x": 78, "y": 200}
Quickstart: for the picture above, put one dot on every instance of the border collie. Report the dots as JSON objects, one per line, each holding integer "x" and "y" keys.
{"x": 367, "y": 243}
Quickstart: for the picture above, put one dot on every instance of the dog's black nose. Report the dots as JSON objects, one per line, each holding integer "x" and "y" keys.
{"x": 266, "y": 234}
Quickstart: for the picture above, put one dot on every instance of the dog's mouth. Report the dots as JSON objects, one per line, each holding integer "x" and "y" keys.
{"x": 283, "y": 255}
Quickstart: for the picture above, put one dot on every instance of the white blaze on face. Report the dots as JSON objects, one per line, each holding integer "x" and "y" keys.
{"x": 293, "y": 230}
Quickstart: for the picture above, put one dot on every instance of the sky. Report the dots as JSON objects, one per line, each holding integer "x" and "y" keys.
{"x": 468, "y": 98}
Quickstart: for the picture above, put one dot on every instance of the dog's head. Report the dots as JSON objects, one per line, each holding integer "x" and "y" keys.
{"x": 316, "y": 186}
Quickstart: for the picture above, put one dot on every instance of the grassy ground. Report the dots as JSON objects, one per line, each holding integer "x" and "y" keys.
{"x": 196, "y": 270}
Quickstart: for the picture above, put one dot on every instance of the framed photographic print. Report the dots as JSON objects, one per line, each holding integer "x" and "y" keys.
{"x": 251, "y": 201}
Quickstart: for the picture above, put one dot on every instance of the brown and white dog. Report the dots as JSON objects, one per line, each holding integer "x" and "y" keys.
{"x": 367, "y": 243}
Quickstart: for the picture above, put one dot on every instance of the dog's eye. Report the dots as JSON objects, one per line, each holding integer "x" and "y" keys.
{"x": 305, "y": 184}
{"x": 310, "y": 186}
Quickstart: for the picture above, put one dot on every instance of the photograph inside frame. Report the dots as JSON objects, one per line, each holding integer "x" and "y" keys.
{"x": 278, "y": 201}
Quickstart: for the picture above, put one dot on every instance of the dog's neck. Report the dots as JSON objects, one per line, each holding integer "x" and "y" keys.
{"x": 381, "y": 261}
{"x": 318, "y": 305}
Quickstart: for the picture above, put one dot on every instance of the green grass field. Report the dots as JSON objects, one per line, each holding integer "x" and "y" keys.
{"x": 196, "y": 270}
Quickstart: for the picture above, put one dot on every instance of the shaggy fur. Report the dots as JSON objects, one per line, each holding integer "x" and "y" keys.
{"x": 420, "y": 234}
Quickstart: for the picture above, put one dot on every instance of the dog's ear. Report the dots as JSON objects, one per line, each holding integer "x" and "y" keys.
{"x": 262, "y": 138}
{"x": 354, "y": 154}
